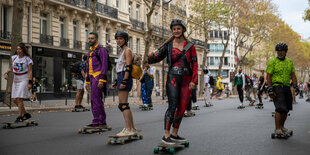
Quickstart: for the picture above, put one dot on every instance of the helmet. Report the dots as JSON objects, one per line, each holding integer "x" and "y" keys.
{"x": 178, "y": 22}
{"x": 281, "y": 47}
{"x": 205, "y": 70}
{"x": 123, "y": 34}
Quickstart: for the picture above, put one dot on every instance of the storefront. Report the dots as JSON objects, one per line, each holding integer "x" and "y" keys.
{"x": 5, "y": 50}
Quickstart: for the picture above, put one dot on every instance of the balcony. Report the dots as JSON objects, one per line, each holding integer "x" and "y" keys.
{"x": 46, "y": 39}
{"x": 64, "y": 42}
{"x": 179, "y": 10}
{"x": 77, "y": 44}
{"x": 137, "y": 24}
{"x": 197, "y": 42}
{"x": 5, "y": 35}
{"x": 73, "y": 2}
{"x": 86, "y": 4}
{"x": 159, "y": 30}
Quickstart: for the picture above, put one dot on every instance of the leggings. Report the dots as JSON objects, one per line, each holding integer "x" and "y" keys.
{"x": 179, "y": 97}
{"x": 240, "y": 93}
{"x": 260, "y": 92}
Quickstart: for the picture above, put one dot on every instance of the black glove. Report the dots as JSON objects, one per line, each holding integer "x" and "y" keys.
{"x": 115, "y": 83}
{"x": 270, "y": 91}
{"x": 124, "y": 82}
{"x": 296, "y": 89}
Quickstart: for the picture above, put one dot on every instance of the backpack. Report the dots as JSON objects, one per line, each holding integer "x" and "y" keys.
{"x": 75, "y": 68}
{"x": 211, "y": 81}
{"x": 136, "y": 72}
{"x": 98, "y": 58}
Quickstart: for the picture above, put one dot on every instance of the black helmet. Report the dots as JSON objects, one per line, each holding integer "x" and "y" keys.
{"x": 178, "y": 22}
{"x": 123, "y": 34}
{"x": 205, "y": 70}
{"x": 281, "y": 47}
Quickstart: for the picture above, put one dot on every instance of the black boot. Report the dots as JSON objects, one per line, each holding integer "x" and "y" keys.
{"x": 26, "y": 116}
{"x": 19, "y": 119}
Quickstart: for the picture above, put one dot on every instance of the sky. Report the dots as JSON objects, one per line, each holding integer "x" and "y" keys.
{"x": 292, "y": 11}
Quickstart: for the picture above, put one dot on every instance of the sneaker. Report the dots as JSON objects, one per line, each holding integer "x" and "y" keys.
{"x": 279, "y": 133}
{"x": 133, "y": 131}
{"x": 104, "y": 126}
{"x": 286, "y": 131}
{"x": 81, "y": 107}
{"x": 76, "y": 107}
{"x": 19, "y": 119}
{"x": 178, "y": 138}
{"x": 124, "y": 132}
{"x": 168, "y": 141}
{"x": 26, "y": 116}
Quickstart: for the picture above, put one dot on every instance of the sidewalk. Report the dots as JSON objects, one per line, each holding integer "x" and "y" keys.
{"x": 60, "y": 105}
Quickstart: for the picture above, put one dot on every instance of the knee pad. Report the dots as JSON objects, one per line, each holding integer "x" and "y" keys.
{"x": 123, "y": 106}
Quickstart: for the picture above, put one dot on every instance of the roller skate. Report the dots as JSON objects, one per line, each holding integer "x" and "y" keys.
{"x": 252, "y": 103}
{"x": 279, "y": 134}
{"x": 195, "y": 107}
{"x": 259, "y": 106}
{"x": 241, "y": 106}
{"x": 287, "y": 132}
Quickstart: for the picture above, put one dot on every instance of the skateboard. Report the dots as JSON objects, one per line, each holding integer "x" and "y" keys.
{"x": 273, "y": 113}
{"x": 162, "y": 147}
{"x": 308, "y": 100}
{"x": 80, "y": 109}
{"x": 190, "y": 114}
{"x": 145, "y": 108}
{"x": 259, "y": 107}
{"x": 208, "y": 104}
{"x": 25, "y": 123}
{"x": 196, "y": 107}
{"x": 89, "y": 130}
{"x": 114, "y": 139}
{"x": 252, "y": 104}
{"x": 241, "y": 107}
{"x": 273, "y": 136}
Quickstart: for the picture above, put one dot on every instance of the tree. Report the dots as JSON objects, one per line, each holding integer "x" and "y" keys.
{"x": 16, "y": 38}
{"x": 206, "y": 14}
{"x": 307, "y": 13}
{"x": 94, "y": 16}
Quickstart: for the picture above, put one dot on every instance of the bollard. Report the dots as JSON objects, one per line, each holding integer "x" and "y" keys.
{"x": 40, "y": 94}
{"x": 66, "y": 91}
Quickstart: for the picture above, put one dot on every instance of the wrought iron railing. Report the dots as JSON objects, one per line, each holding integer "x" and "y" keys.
{"x": 137, "y": 24}
{"x": 64, "y": 42}
{"x": 179, "y": 10}
{"x": 46, "y": 39}
{"x": 77, "y": 44}
{"x": 197, "y": 42}
{"x": 5, "y": 35}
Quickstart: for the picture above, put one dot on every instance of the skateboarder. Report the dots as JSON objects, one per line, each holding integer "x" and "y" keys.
{"x": 261, "y": 88}
{"x": 192, "y": 105}
{"x": 96, "y": 78}
{"x": 255, "y": 86}
{"x": 182, "y": 77}
{"x": 240, "y": 82}
{"x": 279, "y": 72}
{"x": 249, "y": 89}
{"x": 80, "y": 78}
{"x": 147, "y": 84}
{"x": 21, "y": 66}
{"x": 124, "y": 82}
{"x": 34, "y": 88}
{"x": 207, "y": 87}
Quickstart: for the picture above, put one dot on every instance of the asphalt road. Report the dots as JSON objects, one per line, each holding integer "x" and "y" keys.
{"x": 221, "y": 129}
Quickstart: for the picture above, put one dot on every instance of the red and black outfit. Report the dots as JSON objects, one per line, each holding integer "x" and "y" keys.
{"x": 180, "y": 74}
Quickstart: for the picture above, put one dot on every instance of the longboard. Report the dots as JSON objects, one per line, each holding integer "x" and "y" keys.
{"x": 196, "y": 107}
{"x": 162, "y": 147}
{"x": 114, "y": 139}
{"x": 89, "y": 130}
{"x": 274, "y": 136}
{"x": 145, "y": 108}
{"x": 25, "y": 123}
{"x": 80, "y": 110}
{"x": 190, "y": 114}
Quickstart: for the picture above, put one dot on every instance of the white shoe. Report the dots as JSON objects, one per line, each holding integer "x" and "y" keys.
{"x": 133, "y": 131}
{"x": 124, "y": 132}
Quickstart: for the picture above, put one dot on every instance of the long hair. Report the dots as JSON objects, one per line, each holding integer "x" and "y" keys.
{"x": 24, "y": 49}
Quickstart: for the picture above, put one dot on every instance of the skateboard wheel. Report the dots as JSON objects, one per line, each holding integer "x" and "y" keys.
{"x": 36, "y": 124}
{"x": 156, "y": 150}
{"x": 186, "y": 144}
{"x": 80, "y": 131}
{"x": 129, "y": 138}
{"x": 4, "y": 126}
{"x": 273, "y": 136}
{"x": 172, "y": 150}
{"x": 109, "y": 141}
{"x": 89, "y": 131}
{"x": 122, "y": 142}
{"x": 140, "y": 137}
{"x": 27, "y": 124}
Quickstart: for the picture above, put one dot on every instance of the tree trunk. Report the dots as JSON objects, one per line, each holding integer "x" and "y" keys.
{"x": 94, "y": 15}
{"x": 204, "y": 62}
{"x": 223, "y": 55}
{"x": 16, "y": 38}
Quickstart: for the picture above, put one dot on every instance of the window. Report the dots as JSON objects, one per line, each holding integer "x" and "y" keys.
{"x": 225, "y": 35}
{"x": 211, "y": 61}
{"x": 211, "y": 34}
{"x": 216, "y": 61}
{"x": 107, "y": 34}
{"x": 138, "y": 12}
{"x": 138, "y": 46}
{"x": 62, "y": 27}
{"x": 226, "y": 61}
{"x": 216, "y": 34}
{"x": 44, "y": 24}
{"x": 75, "y": 30}
{"x": 156, "y": 18}
{"x": 130, "y": 9}
{"x": 130, "y": 43}
{"x": 118, "y": 4}
{"x": 6, "y": 19}
{"x": 86, "y": 32}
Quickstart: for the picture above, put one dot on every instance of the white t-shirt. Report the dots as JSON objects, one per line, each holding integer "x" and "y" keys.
{"x": 20, "y": 65}
{"x": 206, "y": 80}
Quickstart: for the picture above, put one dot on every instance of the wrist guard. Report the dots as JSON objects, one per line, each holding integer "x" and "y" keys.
{"x": 115, "y": 83}
{"x": 270, "y": 91}
{"x": 30, "y": 82}
{"x": 124, "y": 82}
{"x": 128, "y": 68}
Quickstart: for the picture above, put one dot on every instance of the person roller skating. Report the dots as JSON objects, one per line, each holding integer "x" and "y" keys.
{"x": 182, "y": 78}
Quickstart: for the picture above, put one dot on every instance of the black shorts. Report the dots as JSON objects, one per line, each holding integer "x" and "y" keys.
{"x": 283, "y": 100}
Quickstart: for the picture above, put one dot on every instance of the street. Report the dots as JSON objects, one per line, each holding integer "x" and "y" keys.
{"x": 221, "y": 129}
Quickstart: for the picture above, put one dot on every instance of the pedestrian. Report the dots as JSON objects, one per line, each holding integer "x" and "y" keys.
{"x": 240, "y": 83}
{"x": 301, "y": 88}
{"x": 293, "y": 91}
{"x": 34, "y": 89}
{"x": 255, "y": 86}
{"x": 191, "y": 105}
{"x": 157, "y": 90}
{"x": 181, "y": 80}
{"x": 80, "y": 78}
{"x": 249, "y": 89}
{"x": 219, "y": 86}
{"x": 96, "y": 78}
{"x": 147, "y": 84}
{"x": 124, "y": 82}
{"x": 261, "y": 88}
{"x": 207, "y": 88}
{"x": 279, "y": 72}
{"x": 22, "y": 81}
